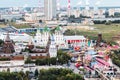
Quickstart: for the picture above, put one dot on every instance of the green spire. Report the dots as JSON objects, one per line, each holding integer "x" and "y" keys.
{"x": 46, "y": 29}
{"x": 58, "y": 28}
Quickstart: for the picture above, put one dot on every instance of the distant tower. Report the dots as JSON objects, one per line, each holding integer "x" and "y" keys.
{"x": 58, "y": 5}
{"x": 87, "y": 8}
{"x": 39, "y": 3}
{"x": 8, "y": 46}
{"x": 52, "y": 47}
{"x": 87, "y": 5}
{"x": 50, "y": 9}
{"x": 69, "y": 8}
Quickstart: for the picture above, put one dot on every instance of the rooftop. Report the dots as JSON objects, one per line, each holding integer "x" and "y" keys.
{"x": 74, "y": 37}
{"x": 8, "y": 29}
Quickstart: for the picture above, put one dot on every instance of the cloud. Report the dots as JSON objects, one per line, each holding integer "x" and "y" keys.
{"x": 98, "y": 2}
{"x": 79, "y": 3}
{"x": 87, "y": 2}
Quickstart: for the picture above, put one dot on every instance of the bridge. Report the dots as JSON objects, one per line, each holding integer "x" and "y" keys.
{"x": 101, "y": 74}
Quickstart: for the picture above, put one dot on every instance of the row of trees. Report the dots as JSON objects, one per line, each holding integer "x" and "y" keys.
{"x": 43, "y": 74}
{"x": 116, "y": 57}
{"x": 62, "y": 58}
{"x": 80, "y": 16}
{"x": 14, "y": 75}
{"x": 4, "y": 59}
{"x": 9, "y": 76}
{"x": 58, "y": 74}
{"x": 105, "y": 22}
{"x": 28, "y": 75}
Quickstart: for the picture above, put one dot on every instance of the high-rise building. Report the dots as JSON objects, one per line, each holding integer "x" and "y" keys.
{"x": 50, "y": 9}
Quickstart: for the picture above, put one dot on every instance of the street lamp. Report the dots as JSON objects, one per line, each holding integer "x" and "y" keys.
{"x": 57, "y": 61}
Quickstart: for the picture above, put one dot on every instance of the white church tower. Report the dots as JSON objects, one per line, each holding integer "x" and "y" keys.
{"x": 42, "y": 36}
{"x": 45, "y": 36}
{"x": 52, "y": 47}
{"x": 37, "y": 38}
{"x": 58, "y": 37}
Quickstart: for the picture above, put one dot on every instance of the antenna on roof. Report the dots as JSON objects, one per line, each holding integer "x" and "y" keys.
{"x": 69, "y": 7}
{"x": 58, "y": 5}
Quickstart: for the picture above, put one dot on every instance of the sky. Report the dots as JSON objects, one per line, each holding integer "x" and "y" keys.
{"x": 33, "y": 3}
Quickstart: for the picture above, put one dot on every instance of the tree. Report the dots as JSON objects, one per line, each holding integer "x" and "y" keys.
{"x": 36, "y": 73}
{"x": 8, "y": 69}
{"x": 1, "y": 42}
{"x": 9, "y": 76}
{"x": 108, "y": 22}
{"x": 27, "y": 74}
{"x": 72, "y": 16}
{"x": 22, "y": 74}
{"x": 29, "y": 60}
{"x": 63, "y": 57}
{"x": 58, "y": 74}
{"x": 53, "y": 61}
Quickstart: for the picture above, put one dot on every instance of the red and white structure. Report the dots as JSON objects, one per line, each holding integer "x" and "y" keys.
{"x": 75, "y": 41}
{"x": 69, "y": 7}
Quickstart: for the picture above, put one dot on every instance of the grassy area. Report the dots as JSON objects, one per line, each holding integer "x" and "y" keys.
{"x": 108, "y": 31}
{"x": 2, "y": 25}
{"x": 16, "y": 25}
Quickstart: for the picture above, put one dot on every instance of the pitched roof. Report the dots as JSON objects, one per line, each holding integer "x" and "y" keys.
{"x": 7, "y": 38}
{"x": 58, "y": 28}
{"x": 9, "y": 28}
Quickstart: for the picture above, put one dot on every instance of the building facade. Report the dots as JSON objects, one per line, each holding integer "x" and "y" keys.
{"x": 42, "y": 37}
{"x": 33, "y": 17}
{"x": 50, "y": 9}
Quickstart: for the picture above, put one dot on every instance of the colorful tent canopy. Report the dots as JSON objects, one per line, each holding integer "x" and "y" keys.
{"x": 88, "y": 57}
{"x": 88, "y": 68}
{"x": 100, "y": 53}
{"x": 91, "y": 52}
{"x": 115, "y": 47}
{"x": 98, "y": 65}
{"x": 103, "y": 62}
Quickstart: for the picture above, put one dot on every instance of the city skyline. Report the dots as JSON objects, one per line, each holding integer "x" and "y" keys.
{"x": 74, "y": 3}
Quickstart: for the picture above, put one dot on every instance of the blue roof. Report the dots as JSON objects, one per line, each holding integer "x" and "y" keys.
{"x": 93, "y": 63}
{"x": 8, "y": 29}
{"x": 91, "y": 52}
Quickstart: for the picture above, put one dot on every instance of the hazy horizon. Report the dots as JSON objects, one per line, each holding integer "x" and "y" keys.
{"x": 63, "y": 3}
